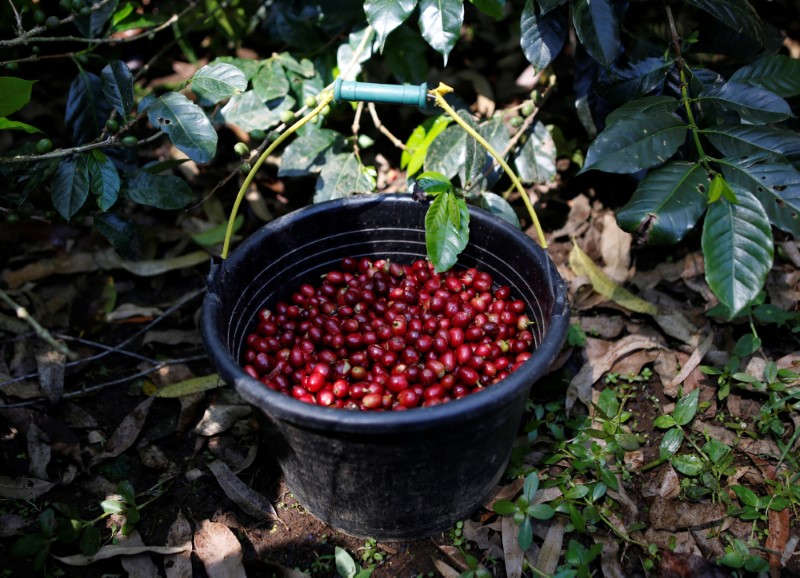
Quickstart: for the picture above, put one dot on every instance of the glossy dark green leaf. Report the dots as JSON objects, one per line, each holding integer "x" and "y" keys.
{"x": 413, "y": 156}
{"x": 646, "y": 104}
{"x": 306, "y": 154}
{"x": 755, "y": 105}
{"x": 247, "y": 111}
{"x": 271, "y": 83}
{"x": 670, "y": 443}
{"x": 386, "y": 15}
{"x": 778, "y": 73}
{"x": 738, "y": 15}
{"x": 636, "y": 143}
{"x": 14, "y": 94}
{"x": 664, "y": 421}
{"x": 525, "y": 537}
{"x": 160, "y": 191}
{"x": 216, "y": 82}
{"x": 104, "y": 179}
{"x": 444, "y": 238}
{"x": 494, "y": 8}
{"x": 446, "y": 153}
{"x": 67, "y": 531}
{"x": 576, "y": 492}
{"x": 530, "y": 486}
{"x": 440, "y": 23}
{"x": 28, "y": 545}
{"x": 720, "y": 188}
{"x": 504, "y": 507}
{"x": 774, "y": 183}
{"x": 247, "y": 65}
{"x": 667, "y": 204}
{"x": 738, "y": 248}
{"x": 542, "y": 35}
{"x": 688, "y": 464}
{"x": 121, "y": 233}
{"x": 634, "y": 80}
{"x": 185, "y": 124}
{"x": 6, "y": 124}
{"x": 747, "y": 496}
{"x": 686, "y": 407}
{"x": 47, "y": 522}
{"x": 91, "y": 25}
{"x": 536, "y": 159}
{"x": 474, "y": 154}
{"x": 548, "y": 5}
{"x": 70, "y": 186}
{"x": 342, "y": 176}
{"x": 608, "y": 403}
{"x": 118, "y": 86}
{"x": 598, "y": 29}
{"x": 87, "y": 108}
{"x": 743, "y": 140}
{"x": 433, "y": 182}
{"x": 405, "y": 55}
{"x": 90, "y": 541}
{"x": 499, "y": 207}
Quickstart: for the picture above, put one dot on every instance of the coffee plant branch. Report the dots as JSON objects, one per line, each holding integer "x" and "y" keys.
{"x": 29, "y": 36}
{"x": 384, "y": 131}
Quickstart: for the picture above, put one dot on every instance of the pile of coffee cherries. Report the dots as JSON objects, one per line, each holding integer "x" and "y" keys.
{"x": 385, "y": 336}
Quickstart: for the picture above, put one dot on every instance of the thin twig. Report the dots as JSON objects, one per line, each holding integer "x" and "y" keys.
{"x": 43, "y": 333}
{"x": 29, "y": 36}
{"x": 355, "y": 127}
{"x": 385, "y": 131}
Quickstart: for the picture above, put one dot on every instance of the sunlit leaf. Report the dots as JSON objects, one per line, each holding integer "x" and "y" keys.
{"x": 342, "y": 175}
{"x": 386, "y": 15}
{"x": 440, "y": 23}
{"x": 444, "y": 238}
{"x": 498, "y": 206}
{"x": 543, "y": 35}
{"x": 247, "y": 111}
{"x": 14, "y": 94}
{"x": 186, "y": 125}
{"x": 216, "y": 82}
{"x": 270, "y": 83}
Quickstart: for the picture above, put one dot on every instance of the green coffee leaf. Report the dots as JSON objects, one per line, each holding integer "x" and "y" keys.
{"x": 736, "y": 14}
{"x": 118, "y": 86}
{"x": 342, "y": 175}
{"x": 247, "y": 111}
{"x": 525, "y": 537}
{"x": 636, "y": 143}
{"x": 6, "y": 124}
{"x": 543, "y": 35}
{"x": 720, "y": 188}
{"x": 778, "y": 73}
{"x": 548, "y": 5}
{"x": 413, "y": 156}
{"x": 493, "y": 8}
{"x": 668, "y": 203}
{"x": 249, "y": 66}
{"x": 349, "y": 66}
{"x": 104, "y": 179}
{"x": 307, "y": 153}
{"x": 746, "y": 345}
{"x": 689, "y": 465}
{"x": 504, "y": 507}
{"x": 447, "y": 152}
{"x": 14, "y": 94}
{"x": 446, "y": 230}
{"x": 87, "y": 108}
{"x": 474, "y": 153}
{"x": 91, "y": 25}
{"x": 185, "y": 124}
{"x": 670, "y": 443}
{"x": 754, "y": 104}
{"x": 405, "y": 55}
{"x": 632, "y": 108}
{"x": 774, "y": 183}
{"x": 433, "y": 183}
{"x": 121, "y": 233}
{"x": 743, "y": 140}
{"x": 499, "y": 207}
{"x": 386, "y": 15}
{"x": 160, "y": 191}
{"x": 440, "y": 23}
{"x": 598, "y": 30}
{"x": 738, "y": 248}
{"x": 304, "y": 67}
{"x": 686, "y": 408}
{"x": 270, "y": 83}
{"x": 627, "y": 441}
{"x": 216, "y": 82}
{"x": 47, "y": 522}
{"x": 536, "y": 159}
{"x": 732, "y": 560}
{"x": 70, "y": 187}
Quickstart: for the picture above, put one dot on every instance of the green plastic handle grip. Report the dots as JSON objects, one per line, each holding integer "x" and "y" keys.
{"x": 380, "y": 93}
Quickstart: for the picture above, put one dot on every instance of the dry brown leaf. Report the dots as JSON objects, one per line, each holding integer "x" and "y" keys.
{"x": 38, "y": 452}
{"x": 609, "y": 558}
{"x": 681, "y": 565}
{"x": 615, "y": 248}
{"x": 13, "y": 524}
{"x": 190, "y": 405}
{"x": 603, "y": 326}
{"x": 128, "y": 310}
{"x": 137, "y": 565}
{"x": 505, "y": 492}
{"x": 172, "y": 337}
{"x": 577, "y": 220}
{"x": 691, "y": 364}
{"x": 666, "y": 484}
{"x": 126, "y": 433}
{"x": 580, "y": 388}
{"x": 218, "y": 550}
{"x": 484, "y": 537}
{"x": 757, "y": 447}
{"x": 790, "y": 549}
{"x": 76, "y": 416}
{"x": 154, "y": 458}
{"x": 673, "y": 515}
{"x": 180, "y": 535}
{"x": 112, "y": 551}
{"x": 50, "y": 366}
{"x": 455, "y": 556}
{"x": 680, "y": 542}
{"x": 250, "y": 501}
{"x": 790, "y": 361}
{"x": 778, "y": 537}
{"x": 550, "y": 552}
{"x": 23, "y": 488}
{"x": 445, "y": 570}
{"x": 220, "y": 417}
{"x": 512, "y": 553}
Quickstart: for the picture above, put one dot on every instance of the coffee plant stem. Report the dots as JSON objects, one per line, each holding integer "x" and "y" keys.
{"x": 623, "y": 535}
{"x": 438, "y": 94}
{"x": 324, "y": 99}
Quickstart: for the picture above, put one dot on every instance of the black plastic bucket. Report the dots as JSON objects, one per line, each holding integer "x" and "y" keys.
{"x": 385, "y": 475}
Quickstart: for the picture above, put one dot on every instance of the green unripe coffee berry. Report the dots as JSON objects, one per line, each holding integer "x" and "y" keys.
{"x": 12, "y": 66}
{"x": 311, "y": 101}
{"x": 44, "y": 145}
{"x": 129, "y": 141}
{"x": 77, "y": 4}
{"x": 12, "y": 218}
{"x": 39, "y": 17}
{"x": 241, "y": 149}
{"x": 326, "y": 110}
{"x": 245, "y": 168}
{"x": 287, "y": 116}
{"x": 527, "y": 109}
{"x": 258, "y": 134}
{"x": 516, "y": 121}
{"x": 273, "y": 135}
{"x": 112, "y": 125}
{"x": 35, "y": 49}
{"x": 52, "y": 21}
{"x": 65, "y": 4}
{"x": 314, "y": 119}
